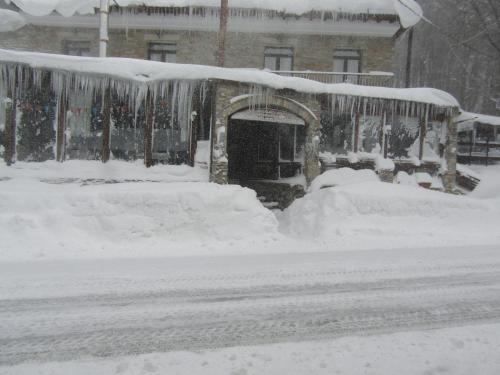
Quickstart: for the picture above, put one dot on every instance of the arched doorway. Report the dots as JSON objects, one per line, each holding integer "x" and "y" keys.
{"x": 271, "y": 144}
{"x": 265, "y": 144}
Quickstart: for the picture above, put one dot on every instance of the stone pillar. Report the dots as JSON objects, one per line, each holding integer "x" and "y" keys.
{"x": 219, "y": 168}
{"x": 450, "y": 155}
{"x": 312, "y": 166}
{"x": 386, "y": 175}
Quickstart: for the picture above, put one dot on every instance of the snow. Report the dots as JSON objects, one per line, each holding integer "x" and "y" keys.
{"x": 466, "y": 120}
{"x": 423, "y": 178}
{"x": 142, "y": 72}
{"x": 341, "y": 177}
{"x": 403, "y": 178}
{"x": 48, "y": 215}
{"x": 202, "y": 157}
{"x": 372, "y": 214}
{"x": 458, "y": 351}
{"x": 113, "y": 170}
{"x": 10, "y": 21}
{"x": 489, "y": 187}
{"x": 124, "y": 210}
{"x": 382, "y": 164}
{"x": 410, "y": 13}
{"x": 408, "y": 10}
{"x": 429, "y": 154}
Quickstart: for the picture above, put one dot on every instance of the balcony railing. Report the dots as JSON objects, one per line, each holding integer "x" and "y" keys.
{"x": 382, "y": 79}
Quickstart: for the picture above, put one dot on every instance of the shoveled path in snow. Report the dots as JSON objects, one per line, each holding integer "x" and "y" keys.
{"x": 51, "y": 311}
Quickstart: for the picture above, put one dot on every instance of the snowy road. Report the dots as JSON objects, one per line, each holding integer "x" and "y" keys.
{"x": 52, "y": 311}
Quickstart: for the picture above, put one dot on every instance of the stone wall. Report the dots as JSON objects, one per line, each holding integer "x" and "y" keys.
{"x": 311, "y": 52}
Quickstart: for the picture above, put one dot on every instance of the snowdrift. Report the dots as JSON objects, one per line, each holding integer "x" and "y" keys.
{"x": 50, "y": 220}
{"x": 371, "y": 214}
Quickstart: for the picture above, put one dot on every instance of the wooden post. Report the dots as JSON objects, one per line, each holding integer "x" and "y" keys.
{"x": 470, "y": 146}
{"x": 423, "y": 133}
{"x": 221, "y": 53}
{"x": 106, "y": 126}
{"x": 381, "y": 131}
{"x": 10, "y": 129}
{"x": 61, "y": 127}
{"x": 356, "y": 133}
{"x": 409, "y": 57}
{"x": 487, "y": 150}
{"x": 148, "y": 130}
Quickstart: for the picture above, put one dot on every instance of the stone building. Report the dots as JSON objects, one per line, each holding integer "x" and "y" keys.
{"x": 256, "y": 134}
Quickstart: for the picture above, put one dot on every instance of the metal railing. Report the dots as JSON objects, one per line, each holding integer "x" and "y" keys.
{"x": 479, "y": 151}
{"x": 382, "y": 79}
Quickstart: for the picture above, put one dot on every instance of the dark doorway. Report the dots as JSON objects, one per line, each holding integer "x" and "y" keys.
{"x": 264, "y": 150}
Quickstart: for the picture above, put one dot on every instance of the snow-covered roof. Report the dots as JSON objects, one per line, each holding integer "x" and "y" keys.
{"x": 10, "y": 21}
{"x": 408, "y": 11}
{"x": 144, "y": 72}
{"x": 466, "y": 120}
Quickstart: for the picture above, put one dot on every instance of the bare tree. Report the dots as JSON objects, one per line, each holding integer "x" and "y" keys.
{"x": 457, "y": 49}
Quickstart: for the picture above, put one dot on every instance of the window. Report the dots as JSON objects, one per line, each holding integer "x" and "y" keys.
{"x": 347, "y": 61}
{"x": 278, "y": 58}
{"x": 77, "y": 48}
{"x": 164, "y": 52}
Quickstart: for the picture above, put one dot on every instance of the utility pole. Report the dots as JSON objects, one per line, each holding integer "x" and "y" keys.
{"x": 106, "y": 99}
{"x": 221, "y": 52}
{"x": 409, "y": 57}
{"x": 103, "y": 30}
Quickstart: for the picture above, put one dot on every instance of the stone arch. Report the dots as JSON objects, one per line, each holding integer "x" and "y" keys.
{"x": 237, "y": 104}
{"x": 281, "y": 102}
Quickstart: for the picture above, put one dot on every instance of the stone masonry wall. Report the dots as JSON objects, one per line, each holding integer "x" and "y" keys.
{"x": 311, "y": 52}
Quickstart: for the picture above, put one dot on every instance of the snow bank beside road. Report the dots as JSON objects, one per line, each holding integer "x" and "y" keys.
{"x": 114, "y": 170}
{"x": 370, "y": 214}
{"x": 458, "y": 351}
{"x": 51, "y": 221}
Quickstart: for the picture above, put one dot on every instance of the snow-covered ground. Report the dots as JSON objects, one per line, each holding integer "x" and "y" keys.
{"x": 214, "y": 286}
{"x": 100, "y": 314}
{"x": 453, "y": 351}
{"x": 490, "y": 181}
{"x": 83, "y": 209}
